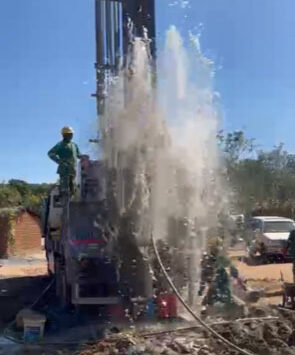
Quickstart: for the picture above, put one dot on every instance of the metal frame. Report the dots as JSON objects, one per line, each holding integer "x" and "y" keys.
{"x": 113, "y": 32}
{"x": 76, "y": 299}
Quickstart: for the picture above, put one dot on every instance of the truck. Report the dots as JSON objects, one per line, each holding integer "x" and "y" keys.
{"x": 80, "y": 246}
{"x": 93, "y": 263}
{"x": 269, "y": 235}
{"x": 94, "y": 258}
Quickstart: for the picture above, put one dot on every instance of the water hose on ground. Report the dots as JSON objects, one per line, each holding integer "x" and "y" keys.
{"x": 189, "y": 309}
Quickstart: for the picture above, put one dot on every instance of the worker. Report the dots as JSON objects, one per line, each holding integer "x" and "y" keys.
{"x": 65, "y": 154}
{"x": 291, "y": 248}
{"x": 208, "y": 265}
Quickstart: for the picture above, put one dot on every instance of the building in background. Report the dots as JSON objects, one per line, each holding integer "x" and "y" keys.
{"x": 20, "y": 232}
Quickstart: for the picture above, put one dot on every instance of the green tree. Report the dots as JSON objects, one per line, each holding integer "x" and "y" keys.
{"x": 235, "y": 145}
{"x": 20, "y": 193}
{"x": 9, "y": 196}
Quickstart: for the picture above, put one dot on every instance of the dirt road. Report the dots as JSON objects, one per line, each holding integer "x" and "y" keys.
{"x": 271, "y": 272}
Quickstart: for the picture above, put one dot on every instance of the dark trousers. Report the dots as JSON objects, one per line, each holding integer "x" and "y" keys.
{"x": 67, "y": 184}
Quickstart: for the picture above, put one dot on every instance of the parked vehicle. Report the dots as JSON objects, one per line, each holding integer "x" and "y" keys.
{"x": 269, "y": 235}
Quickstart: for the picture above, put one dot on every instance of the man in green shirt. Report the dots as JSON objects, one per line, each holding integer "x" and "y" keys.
{"x": 65, "y": 154}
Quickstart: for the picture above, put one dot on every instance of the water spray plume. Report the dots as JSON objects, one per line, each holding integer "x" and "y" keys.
{"x": 161, "y": 143}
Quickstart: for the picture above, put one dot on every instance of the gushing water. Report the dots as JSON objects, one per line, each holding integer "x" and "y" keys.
{"x": 159, "y": 141}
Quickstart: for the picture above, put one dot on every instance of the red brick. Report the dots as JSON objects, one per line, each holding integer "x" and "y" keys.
{"x": 26, "y": 231}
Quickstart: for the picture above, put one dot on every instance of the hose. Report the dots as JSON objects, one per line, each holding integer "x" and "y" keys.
{"x": 189, "y": 309}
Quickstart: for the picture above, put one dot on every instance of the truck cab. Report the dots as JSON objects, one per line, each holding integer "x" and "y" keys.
{"x": 269, "y": 235}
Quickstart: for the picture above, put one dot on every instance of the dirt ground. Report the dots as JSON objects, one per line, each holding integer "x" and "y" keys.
{"x": 270, "y": 272}
{"x": 19, "y": 276}
{"x": 267, "y": 277}
{"x": 22, "y": 279}
{"x": 33, "y": 264}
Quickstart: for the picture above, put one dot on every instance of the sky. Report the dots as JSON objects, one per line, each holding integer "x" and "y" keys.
{"x": 47, "y": 55}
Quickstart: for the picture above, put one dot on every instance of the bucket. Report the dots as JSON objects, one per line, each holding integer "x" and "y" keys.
{"x": 34, "y": 328}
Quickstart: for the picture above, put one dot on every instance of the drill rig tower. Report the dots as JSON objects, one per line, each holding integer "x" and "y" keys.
{"x": 88, "y": 244}
{"x": 118, "y": 23}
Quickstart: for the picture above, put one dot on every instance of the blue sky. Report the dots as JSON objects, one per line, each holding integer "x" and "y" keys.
{"x": 47, "y": 74}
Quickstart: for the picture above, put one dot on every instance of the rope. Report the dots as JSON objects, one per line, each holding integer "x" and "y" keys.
{"x": 189, "y": 309}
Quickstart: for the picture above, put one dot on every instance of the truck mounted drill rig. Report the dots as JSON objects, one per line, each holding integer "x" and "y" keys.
{"x": 92, "y": 260}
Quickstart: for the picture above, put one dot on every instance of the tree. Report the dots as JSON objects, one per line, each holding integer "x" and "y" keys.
{"x": 276, "y": 159}
{"x": 267, "y": 183}
{"x": 21, "y": 186}
{"x": 21, "y": 193}
{"x": 9, "y": 196}
{"x": 235, "y": 145}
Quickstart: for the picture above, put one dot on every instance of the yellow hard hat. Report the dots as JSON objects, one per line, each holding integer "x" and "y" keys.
{"x": 67, "y": 130}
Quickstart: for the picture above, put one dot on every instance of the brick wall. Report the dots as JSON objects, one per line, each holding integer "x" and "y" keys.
{"x": 27, "y": 232}
{"x": 3, "y": 237}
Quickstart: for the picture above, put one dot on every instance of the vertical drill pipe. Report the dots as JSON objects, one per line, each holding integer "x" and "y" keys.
{"x": 113, "y": 31}
{"x": 125, "y": 38}
{"x": 108, "y": 32}
{"x": 116, "y": 23}
{"x": 100, "y": 55}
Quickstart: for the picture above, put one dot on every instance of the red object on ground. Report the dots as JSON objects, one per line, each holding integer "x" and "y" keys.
{"x": 167, "y": 305}
{"x": 163, "y": 308}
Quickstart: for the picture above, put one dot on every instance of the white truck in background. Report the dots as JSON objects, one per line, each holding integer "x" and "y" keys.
{"x": 269, "y": 235}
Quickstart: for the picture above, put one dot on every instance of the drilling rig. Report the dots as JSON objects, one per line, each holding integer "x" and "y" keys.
{"x": 89, "y": 246}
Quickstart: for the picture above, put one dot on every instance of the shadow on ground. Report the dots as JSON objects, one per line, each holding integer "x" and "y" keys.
{"x": 18, "y": 293}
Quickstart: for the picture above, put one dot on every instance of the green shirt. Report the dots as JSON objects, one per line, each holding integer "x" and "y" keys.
{"x": 291, "y": 243}
{"x": 65, "y": 154}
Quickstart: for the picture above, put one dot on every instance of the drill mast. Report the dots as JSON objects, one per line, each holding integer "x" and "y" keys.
{"x": 117, "y": 22}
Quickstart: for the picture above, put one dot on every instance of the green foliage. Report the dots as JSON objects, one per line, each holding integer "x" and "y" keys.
{"x": 11, "y": 237}
{"x": 9, "y": 196}
{"x": 235, "y": 145}
{"x": 20, "y": 193}
{"x": 265, "y": 185}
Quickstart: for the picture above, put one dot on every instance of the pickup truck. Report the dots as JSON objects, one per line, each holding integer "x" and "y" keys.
{"x": 269, "y": 236}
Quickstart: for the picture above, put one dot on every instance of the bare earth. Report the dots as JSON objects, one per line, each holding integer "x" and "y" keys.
{"x": 33, "y": 264}
{"x": 266, "y": 272}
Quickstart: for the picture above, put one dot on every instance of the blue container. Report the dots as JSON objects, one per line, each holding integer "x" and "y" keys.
{"x": 150, "y": 309}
